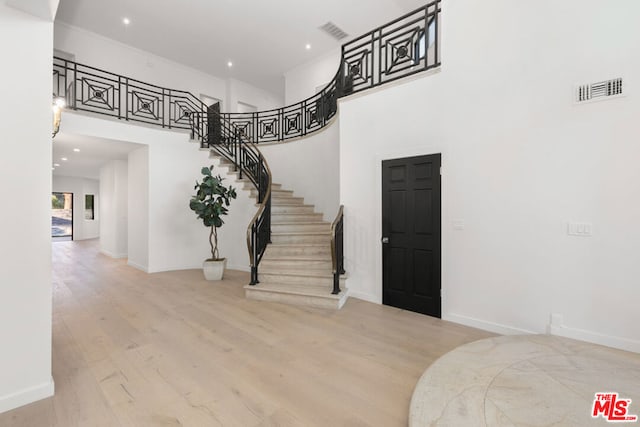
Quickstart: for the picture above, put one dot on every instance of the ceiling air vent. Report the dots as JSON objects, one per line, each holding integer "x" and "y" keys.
{"x": 333, "y": 30}
{"x": 600, "y": 90}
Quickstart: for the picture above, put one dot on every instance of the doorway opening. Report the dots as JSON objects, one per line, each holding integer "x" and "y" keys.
{"x": 411, "y": 230}
{"x": 61, "y": 216}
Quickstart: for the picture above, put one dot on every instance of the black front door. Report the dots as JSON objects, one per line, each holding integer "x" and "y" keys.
{"x": 411, "y": 234}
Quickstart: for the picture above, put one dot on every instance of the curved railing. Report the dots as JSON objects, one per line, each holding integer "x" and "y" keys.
{"x": 216, "y": 133}
{"x": 337, "y": 249}
{"x": 403, "y": 47}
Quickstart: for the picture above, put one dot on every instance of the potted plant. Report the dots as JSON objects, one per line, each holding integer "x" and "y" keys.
{"x": 210, "y": 205}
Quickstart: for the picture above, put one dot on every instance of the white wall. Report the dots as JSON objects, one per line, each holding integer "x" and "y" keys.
{"x": 241, "y": 92}
{"x": 310, "y": 167}
{"x": 520, "y": 160}
{"x": 138, "y": 205}
{"x": 25, "y": 173}
{"x": 82, "y": 228}
{"x": 175, "y": 238}
{"x": 114, "y": 208}
{"x": 303, "y": 81}
{"x": 97, "y": 51}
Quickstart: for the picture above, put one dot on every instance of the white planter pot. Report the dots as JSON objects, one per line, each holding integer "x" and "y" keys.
{"x": 214, "y": 270}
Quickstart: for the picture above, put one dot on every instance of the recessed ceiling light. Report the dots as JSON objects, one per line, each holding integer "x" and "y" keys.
{"x": 307, "y": 46}
{"x": 64, "y": 159}
{"x": 229, "y": 64}
{"x": 77, "y": 150}
{"x": 56, "y": 164}
{"x": 53, "y": 169}
{"x": 126, "y": 21}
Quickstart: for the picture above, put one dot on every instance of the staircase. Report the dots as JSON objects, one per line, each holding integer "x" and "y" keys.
{"x": 296, "y": 267}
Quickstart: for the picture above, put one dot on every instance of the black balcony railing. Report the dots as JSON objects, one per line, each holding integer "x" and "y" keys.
{"x": 90, "y": 89}
{"x": 403, "y": 47}
{"x": 400, "y": 48}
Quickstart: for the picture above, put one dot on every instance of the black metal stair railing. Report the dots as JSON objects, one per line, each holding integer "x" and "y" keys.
{"x": 217, "y": 134}
{"x": 337, "y": 249}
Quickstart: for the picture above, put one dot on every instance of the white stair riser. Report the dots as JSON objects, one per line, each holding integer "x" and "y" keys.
{"x": 272, "y": 265}
{"x": 298, "y": 251}
{"x": 250, "y": 187}
{"x": 275, "y": 209}
{"x": 274, "y": 193}
{"x": 267, "y": 277}
{"x": 299, "y": 227}
{"x": 301, "y": 238}
{"x": 288, "y": 218}
{"x": 293, "y": 299}
{"x": 276, "y": 201}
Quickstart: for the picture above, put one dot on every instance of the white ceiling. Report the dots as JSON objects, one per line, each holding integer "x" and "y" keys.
{"x": 263, "y": 38}
{"x": 93, "y": 154}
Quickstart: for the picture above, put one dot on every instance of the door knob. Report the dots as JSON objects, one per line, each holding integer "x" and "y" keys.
{"x": 385, "y": 240}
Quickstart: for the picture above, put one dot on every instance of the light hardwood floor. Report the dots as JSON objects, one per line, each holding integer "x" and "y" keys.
{"x": 170, "y": 349}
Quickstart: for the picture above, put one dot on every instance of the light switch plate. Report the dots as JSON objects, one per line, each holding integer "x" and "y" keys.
{"x": 458, "y": 224}
{"x": 580, "y": 229}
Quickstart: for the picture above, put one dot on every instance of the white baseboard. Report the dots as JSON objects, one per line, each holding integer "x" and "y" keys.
{"x": 112, "y": 255}
{"x": 364, "y": 296}
{"x": 595, "y": 338}
{"x": 26, "y": 396}
{"x": 192, "y": 267}
{"x": 138, "y": 266}
{"x": 244, "y": 268}
{"x": 485, "y": 325}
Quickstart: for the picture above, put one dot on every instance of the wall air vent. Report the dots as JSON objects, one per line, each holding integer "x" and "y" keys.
{"x": 599, "y": 91}
{"x": 334, "y": 31}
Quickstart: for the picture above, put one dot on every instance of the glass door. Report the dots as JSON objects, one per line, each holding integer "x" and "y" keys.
{"x": 62, "y": 216}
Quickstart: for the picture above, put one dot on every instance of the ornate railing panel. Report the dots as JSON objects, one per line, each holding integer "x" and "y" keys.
{"x": 97, "y": 91}
{"x": 405, "y": 46}
{"x": 290, "y": 122}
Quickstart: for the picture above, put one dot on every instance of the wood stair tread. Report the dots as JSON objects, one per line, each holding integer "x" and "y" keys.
{"x": 302, "y": 223}
{"x": 303, "y": 273}
{"x": 294, "y": 259}
{"x": 301, "y": 233}
{"x": 306, "y": 245}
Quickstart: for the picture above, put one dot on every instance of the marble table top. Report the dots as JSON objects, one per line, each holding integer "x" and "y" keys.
{"x": 529, "y": 380}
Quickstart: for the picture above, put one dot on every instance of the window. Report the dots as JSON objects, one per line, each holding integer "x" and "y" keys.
{"x": 88, "y": 207}
{"x": 422, "y": 42}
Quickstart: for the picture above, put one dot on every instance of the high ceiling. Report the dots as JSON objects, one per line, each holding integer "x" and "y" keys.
{"x": 263, "y": 38}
